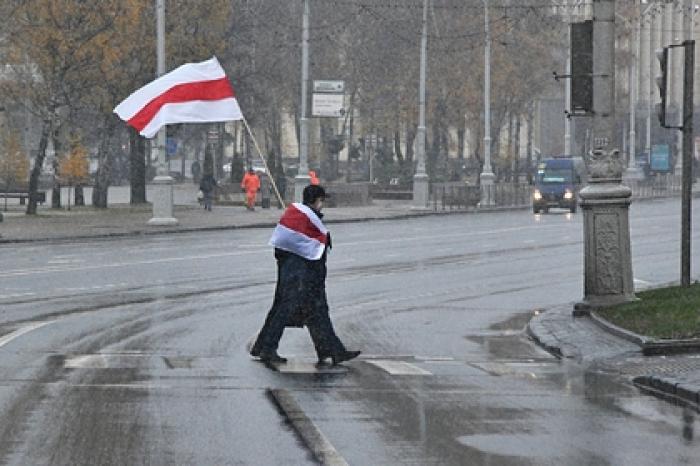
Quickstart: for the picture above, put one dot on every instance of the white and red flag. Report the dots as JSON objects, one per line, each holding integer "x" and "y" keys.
{"x": 300, "y": 232}
{"x": 191, "y": 93}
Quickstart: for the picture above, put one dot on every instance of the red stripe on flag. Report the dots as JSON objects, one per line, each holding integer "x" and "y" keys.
{"x": 296, "y": 220}
{"x": 200, "y": 90}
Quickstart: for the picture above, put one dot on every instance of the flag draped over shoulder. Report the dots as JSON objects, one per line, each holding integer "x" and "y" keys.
{"x": 191, "y": 93}
{"x": 300, "y": 232}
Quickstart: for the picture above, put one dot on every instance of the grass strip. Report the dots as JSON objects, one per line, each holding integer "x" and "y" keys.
{"x": 662, "y": 313}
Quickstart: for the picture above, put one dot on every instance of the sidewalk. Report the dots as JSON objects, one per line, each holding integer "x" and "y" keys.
{"x": 125, "y": 220}
{"x": 675, "y": 378}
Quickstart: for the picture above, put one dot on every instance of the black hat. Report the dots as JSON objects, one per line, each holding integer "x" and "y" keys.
{"x": 313, "y": 192}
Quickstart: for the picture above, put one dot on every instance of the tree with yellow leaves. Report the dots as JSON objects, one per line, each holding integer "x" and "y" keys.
{"x": 73, "y": 166}
{"x": 14, "y": 165}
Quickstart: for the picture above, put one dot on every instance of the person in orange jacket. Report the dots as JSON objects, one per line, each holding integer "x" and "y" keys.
{"x": 250, "y": 184}
{"x": 314, "y": 179}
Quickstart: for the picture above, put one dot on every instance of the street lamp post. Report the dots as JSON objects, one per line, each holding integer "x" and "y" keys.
{"x": 420, "y": 179}
{"x": 487, "y": 177}
{"x": 162, "y": 183}
{"x": 302, "y": 178}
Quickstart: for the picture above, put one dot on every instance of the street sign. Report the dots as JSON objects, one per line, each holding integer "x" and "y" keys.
{"x": 659, "y": 160}
{"x": 328, "y": 105}
{"x": 171, "y": 146}
{"x": 332, "y": 87}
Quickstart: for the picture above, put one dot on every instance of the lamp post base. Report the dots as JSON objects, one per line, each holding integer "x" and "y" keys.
{"x": 420, "y": 192}
{"x": 163, "y": 202}
{"x": 300, "y": 182}
{"x": 486, "y": 179}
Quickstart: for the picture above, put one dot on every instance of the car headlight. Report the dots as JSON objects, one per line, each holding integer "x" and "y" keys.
{"x": 568, "y": 195}
{"x": 537, "y": 195}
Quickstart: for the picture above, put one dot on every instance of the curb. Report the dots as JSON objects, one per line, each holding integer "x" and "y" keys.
{"x": 650, "y": 346}
{"x": 267, "y": 224}
{"x": 536, "y": 331}
{"x": 314, "y": 439}
{"x": 673, "y": 391}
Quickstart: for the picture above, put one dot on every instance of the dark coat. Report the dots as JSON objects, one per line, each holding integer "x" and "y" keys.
{"x": 207, "y": 184}
{"x": 301, "y": 288}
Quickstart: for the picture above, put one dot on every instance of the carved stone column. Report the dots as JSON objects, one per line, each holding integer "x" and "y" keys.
{"x": 605, "y": 201}
{"x": 608, "y": 260}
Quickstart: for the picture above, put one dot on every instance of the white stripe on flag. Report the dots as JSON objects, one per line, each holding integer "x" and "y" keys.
{"x": 198, "y": 111}
{"x": 187, "y": 73}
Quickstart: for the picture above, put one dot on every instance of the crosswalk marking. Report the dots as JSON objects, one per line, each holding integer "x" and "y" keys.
{"x": 305, "y": 367}
{"x": 398, "y": 367}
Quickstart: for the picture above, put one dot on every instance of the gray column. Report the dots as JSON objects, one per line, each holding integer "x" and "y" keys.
{"x": 163, "y": 182}
{"x": 301, "y": 180}
{"x": 420, "y": 178}
{"x": 605, "y": 201}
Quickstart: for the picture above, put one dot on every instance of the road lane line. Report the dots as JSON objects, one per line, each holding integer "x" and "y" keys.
{"x": 398, "y": 367}
{"x": 21, "y": 331}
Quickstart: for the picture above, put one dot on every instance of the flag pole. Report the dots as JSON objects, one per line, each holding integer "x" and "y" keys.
{"x": 272, "y": 179}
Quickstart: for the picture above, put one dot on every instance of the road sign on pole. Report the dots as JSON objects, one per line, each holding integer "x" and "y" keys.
{"x": 328, "y": 99}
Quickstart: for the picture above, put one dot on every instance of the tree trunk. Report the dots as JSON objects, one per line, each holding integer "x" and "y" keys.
{"x": 99, "y": 193}
{"x": 57, "y": 150}
{"x": 516, "y": 143}
{"x": 530, "y": 119}
{"x": 36, "y": 170}
{"x": 137, "y": 167}
{"x": 79, "y": 196}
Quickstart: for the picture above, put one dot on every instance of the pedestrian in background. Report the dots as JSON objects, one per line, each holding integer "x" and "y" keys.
{"x": 207, "y": 185}
{"x": 313, "y": 178}
{"x": 250, "y": 184}
{"x": 301, "y": 243}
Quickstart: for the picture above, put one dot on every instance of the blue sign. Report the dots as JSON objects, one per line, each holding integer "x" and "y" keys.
{"x": 170, "y": 146}
{"x": 660, "y": 161}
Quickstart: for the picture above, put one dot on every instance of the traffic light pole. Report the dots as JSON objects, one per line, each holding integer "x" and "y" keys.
{"x": 687, "y": 137}
{"x": 687, "y": 177}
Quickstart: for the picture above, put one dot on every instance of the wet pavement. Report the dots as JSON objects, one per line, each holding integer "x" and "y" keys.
{"x": 133, "y": 350}
{"x": 675, "y": 378}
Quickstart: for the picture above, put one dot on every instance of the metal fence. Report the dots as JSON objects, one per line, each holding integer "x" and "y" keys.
{"x": 657, "y": 186}
{"x": 458, "y": 195}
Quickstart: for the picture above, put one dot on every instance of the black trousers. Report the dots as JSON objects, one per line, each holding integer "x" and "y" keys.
{"x": 319, "y": 324}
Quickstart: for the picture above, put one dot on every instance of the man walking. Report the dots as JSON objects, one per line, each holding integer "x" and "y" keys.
{"x": 301, "y": 243}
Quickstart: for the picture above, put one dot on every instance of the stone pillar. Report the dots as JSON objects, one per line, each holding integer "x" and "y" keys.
{"x": 608, "y": 265}
{"x": 605, "y": 201}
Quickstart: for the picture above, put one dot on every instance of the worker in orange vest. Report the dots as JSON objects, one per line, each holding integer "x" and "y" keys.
{"x": 314, "y": 179}
{"x": 250, "y": 184}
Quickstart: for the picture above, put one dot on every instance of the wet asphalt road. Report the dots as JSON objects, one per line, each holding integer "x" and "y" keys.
{"x": 133, "y": 351}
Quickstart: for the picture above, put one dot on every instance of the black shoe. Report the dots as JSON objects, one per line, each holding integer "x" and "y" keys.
{"x": 344, "y": 356}
{"x": 255, "y": 352}
{"x": 271, "y": 356}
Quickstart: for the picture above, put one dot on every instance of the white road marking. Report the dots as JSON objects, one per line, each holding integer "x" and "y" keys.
{"x": 398, "y": 367}
{"x": 16, "y": 295}
{"x": 305, "y": 367}
{"x": 21, "y": 331}
{"x": 67, "y": 268}
{"x": 86, "y": 361}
